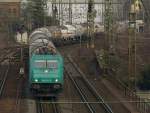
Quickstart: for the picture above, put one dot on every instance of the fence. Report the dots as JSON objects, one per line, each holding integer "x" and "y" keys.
{"x": 141, "y": 104}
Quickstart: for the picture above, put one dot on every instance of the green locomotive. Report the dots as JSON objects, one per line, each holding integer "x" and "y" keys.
{"x": 46, "y": 65}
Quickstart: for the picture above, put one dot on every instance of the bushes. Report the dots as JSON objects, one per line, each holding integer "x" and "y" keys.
{"x": 144, "y": 82}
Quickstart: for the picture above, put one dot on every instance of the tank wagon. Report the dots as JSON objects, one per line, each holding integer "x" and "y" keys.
{"x": 45, "y": 65}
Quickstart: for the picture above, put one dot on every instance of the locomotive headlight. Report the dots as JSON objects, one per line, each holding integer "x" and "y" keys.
{"x": 56, "y": 80}
{"x": 36, "y": 80}
{"x": 46, "y": 71}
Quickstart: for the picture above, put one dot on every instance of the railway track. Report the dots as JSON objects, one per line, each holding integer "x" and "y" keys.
{"x": 6, "y": 54}
{"x": 4, "y": 67}
{"x": 89, "y": 96}
{"x": 47, "y": 107}
{"x": 19, "y": 95}
{"x": 4, "y": 75}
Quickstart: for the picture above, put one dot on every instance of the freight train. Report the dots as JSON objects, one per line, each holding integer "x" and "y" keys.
{"x": 65, "y": 34}
{"x": 69, "y": 34}
{"x": 45, "y": 64}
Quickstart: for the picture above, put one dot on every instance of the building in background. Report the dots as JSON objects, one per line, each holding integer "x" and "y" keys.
{"x": 80, "y": 7}
{"x": 9, "y": 10}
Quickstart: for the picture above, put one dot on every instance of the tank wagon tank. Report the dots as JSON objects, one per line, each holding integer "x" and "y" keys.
{"x": 46, "y": 65}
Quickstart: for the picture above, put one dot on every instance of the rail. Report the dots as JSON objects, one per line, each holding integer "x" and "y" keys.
{"x": 3, "y": 81}
{"x": 47, "y": 107}
{"x": 90, "y": 87}
{"x": 19, "y": 95}
{"x": 84, "y": 99}
{"x": 6, "y": 53}
{"x": 140, "y": 104}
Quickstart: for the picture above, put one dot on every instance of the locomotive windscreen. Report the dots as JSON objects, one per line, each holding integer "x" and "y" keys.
{"x": 40, "y": 64}
{"x": 50, "y": 64}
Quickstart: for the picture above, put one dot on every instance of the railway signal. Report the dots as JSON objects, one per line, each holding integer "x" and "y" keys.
{"x": 21, "y": 72}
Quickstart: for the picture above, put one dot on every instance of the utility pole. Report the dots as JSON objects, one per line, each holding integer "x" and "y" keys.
{"x": 132, "y": 46}
{"x": 70, "y": 12}
{"x": 91, "y": 14}
{"x": 109, "y": 38}
{"x": 59, "y": 12}
{"x": 45, "y": 9}
{"x": 135, "y": 8}
{"x": 54, "y": 12}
